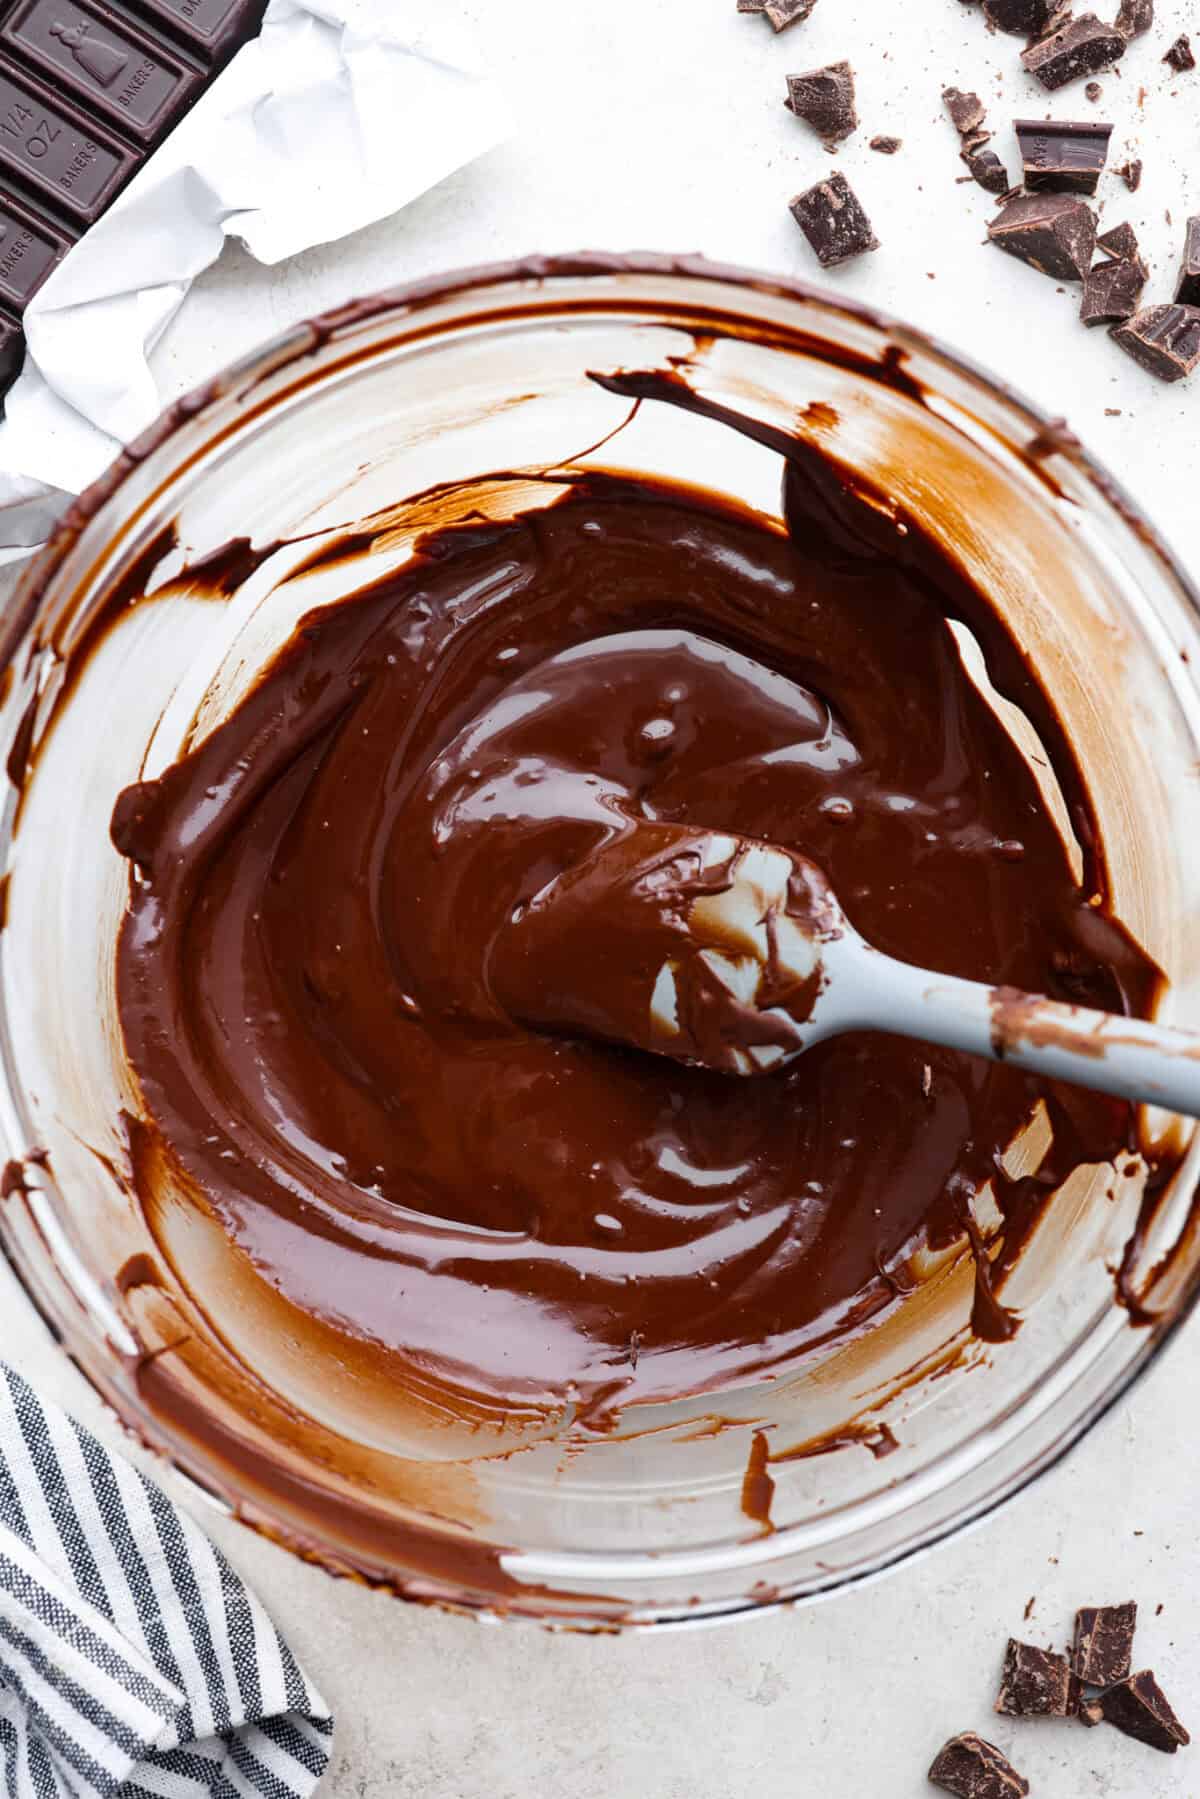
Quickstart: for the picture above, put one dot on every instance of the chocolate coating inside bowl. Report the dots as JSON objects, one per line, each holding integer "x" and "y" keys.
{"x": 531, "y": 1217}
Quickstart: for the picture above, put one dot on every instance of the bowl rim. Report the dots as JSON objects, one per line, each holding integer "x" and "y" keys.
{"x": 293, "y": 344}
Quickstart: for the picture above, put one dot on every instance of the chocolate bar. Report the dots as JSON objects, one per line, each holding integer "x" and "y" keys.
{"x": 109, "y": 64}
{"x": 30, "y": 247}
{"x": 216, "y": 28}
{"x": 50, "y": 146}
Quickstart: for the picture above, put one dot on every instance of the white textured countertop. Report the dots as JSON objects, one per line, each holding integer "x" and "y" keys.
{"x": 657, "y": 124}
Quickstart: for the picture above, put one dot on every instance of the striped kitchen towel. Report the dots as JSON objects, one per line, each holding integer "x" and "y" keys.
{"x": 133, "y": 1661}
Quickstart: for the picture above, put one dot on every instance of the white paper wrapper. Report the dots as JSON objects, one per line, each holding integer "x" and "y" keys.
{"x": 339, "y": 113}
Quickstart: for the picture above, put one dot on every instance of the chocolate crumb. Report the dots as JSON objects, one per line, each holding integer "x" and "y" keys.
{"x": 1090, "y": 1713}
{"x": 1134, "y": 17}
{"x": 1187, "y": 288}
{"x": 973, "y": 1768}
{"x": 833, "y": 221}
{"x": 1094, "y": 91}
{"x": 1131, "y": 174}
{"x": 1139, "y": 1707}
{"x": 1165, "y": 340}
{"x": 1082, "y": 46}
{"x": 1029, "y": 1605}
{"x": 1036, "y": 1683}
{"x": 1181, "y": 55}
{"x": 1103, "y": 1652}
{"x": 886, "y": 146}
{"x": 1051, "y": 232}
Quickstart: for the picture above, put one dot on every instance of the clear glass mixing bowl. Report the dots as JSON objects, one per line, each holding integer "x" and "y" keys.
{"x": 348, "y": 416}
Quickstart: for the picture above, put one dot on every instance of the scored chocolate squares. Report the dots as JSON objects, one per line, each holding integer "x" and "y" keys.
{"x": 1051, "y": 232}
{"x": 972, "y": 1768}
{"x": 1036, "y": 1683}
{"x": 833, "y": 221}
{"x": 1139, "y": 1707}
{"x": 1066, "y": 155}
{"x": 1103, "y": 1651}
{"x": 824, "y": 99}
{"x": 1082, "y": 46}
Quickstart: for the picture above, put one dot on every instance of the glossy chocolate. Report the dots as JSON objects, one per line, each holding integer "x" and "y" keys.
{"x": 316, "y": 890}
{"x": 30, "y": 247}
{"x": 56, "y": 149}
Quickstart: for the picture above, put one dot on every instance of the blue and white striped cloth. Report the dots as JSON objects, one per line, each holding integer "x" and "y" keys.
{"x": 133, "y": 1661}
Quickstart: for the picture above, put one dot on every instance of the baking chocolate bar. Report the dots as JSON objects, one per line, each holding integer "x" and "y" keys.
{"x": 30, "y": 247}
{"x": 112, "y": 66}
{"x": 216, "y": 28}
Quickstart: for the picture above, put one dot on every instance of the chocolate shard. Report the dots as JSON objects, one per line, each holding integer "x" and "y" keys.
{"x": 30, "y": 247}
{"x": 1181, "y": 56}
{"x": 1139, "y": 1707}
{"x": 1187, "y": 288}
{"x": 1112, "y": 291}
{"x": 973, "y": 1768}
{"x": 1103, "y": 1652}
{"x": 782, "y": 13}
{"x": 1063, "y": 154}
{"x": 109, "y": 64}
{"x": 1121, "y": 242}
{"x": 1082, "y": 46}
{"x": 56, "y": 150}
{"x": 1134, "y": 17}
{"x": 966, "y": 110}
{"x": 988, "y": 170}
{"x": 824, "y": 99}
{"x": 886, "y": 146}
{"x": 1165, "y": 340}
{"x": 1051, "y": 232}
{"x": 833, "y": 221}
{"x": 1036, "y": 1683}
{"x": 1131, "y": 173}
{"x": 1022, "y": 18}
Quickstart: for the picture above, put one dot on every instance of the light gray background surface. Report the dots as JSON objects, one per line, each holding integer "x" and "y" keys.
{"x": 658, "y": 124}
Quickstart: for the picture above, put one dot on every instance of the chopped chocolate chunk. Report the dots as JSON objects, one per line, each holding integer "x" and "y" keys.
{"x": 1103, "y": 1652}
{"x": 833, "y": 221}
{"x": 1067, "y": 154}
{"x": 1121, "y": 242}
{"x": 1131, "y": 173}
{"x": 886, "y": 146}
{"x": 1082, "y": 46}
{"x": 1112, "y": 291}
{"x": 1165, "y": 340}
{"x": 1138, "y": 1706}
{"x": 1090, "y": 1712}
{"x": 972, "y": 1768}
{"x": 1181, "y": 55}
{"x": 1036, "y": 1683}
{"x": 782, "y": 13}
{"x": 987, "y": 169}
{"x": 1094, "y": 91}
{"x": 1134, "y": 17}
{"x": 1187, "y": 289}
{"x": 1051, "y": 232}
{"x": 965, "y": 109}
{"x": 1023, "y": 18}
{"x": 824, "y": 99}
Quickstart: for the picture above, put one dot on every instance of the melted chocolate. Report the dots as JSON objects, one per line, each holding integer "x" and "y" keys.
{"x": 304, "y": 974}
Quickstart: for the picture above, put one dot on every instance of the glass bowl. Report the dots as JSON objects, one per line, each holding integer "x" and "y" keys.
{"x": 110, "y": 665}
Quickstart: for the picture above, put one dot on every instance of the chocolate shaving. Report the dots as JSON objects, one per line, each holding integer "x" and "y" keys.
{"x": 1103, "y": 1652}
{"x": 1036, "y": 1683}
{"x": 833, "y": 221}
{"x": 824, "y": 99}
{"x": 1051, "y": 232}
{"x": 1139, "y": 1707}
{"x": 1187, "y": 288}
{"x": 973, "y": 1768}
{"x": 886, "y": 146}
{"x": 1181, "y": 55}
{"x": 1165, "y": 340}
{"x": 1063, "y": 154}
{"x": 1083, "y": 46}
{"x": 966, "y": 110}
